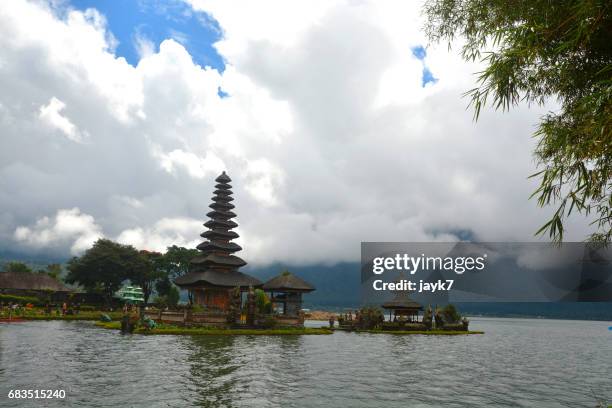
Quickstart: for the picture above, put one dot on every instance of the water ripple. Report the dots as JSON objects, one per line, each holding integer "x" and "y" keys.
{"x": 517, "y": 363}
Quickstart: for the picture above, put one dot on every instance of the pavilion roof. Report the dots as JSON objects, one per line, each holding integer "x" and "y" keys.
{"x": 30, "y": 281}
{"x": 402, "y": 301}
{"x": 288, "y": 281}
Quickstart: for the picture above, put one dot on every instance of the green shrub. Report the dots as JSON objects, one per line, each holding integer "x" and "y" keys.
{"x": 268, "y": 322}
{"x": 197, "y": 308}
{"x": 87, "y": 308}
{"x": 262, "y": 302}
{"x": 173, "y": 296}
{"x": 19, "y": 299}
{"x": 370, "y": 317}
{"x": 451, "y": 315}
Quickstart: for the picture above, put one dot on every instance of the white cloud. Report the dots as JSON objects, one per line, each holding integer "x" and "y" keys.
{"x": 68, "y": 226}
{"x": 197, "y": 167}
{"x": 164, "y": 233}
{"x": 328, "y": 135}
{"x": 144, "y": 46}
{"x": 51, "y": 115}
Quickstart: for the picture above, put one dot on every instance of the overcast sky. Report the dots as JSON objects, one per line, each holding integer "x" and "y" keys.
{"x": 336, "y": 120}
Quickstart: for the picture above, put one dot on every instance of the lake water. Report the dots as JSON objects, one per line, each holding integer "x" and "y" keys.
{"x": 517, "y": 363}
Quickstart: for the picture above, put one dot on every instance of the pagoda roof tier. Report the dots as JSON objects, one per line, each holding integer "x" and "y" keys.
{"x": 223, "y": 199}
{"x": 221, "y": 214}
{"x": 223, "y": 186}
{"x": 211, "y": 277}
{"x": 223, "y": 178}
{"x": 220, "y": 261}
{"x": 221, "y": 206}
{"x": 219, "y": 246}
{"x": 218, "y": 192}
{"x": 219, "y": 235}
{"x": 288, "y": 282}
{"x": 220, "y": 224}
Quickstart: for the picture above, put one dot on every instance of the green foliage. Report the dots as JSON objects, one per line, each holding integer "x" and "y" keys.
{"x": 19, "y": 299}
{"x": 268, "y": 322}
{"x": 262, "y": 302}
{"x": 173, "y": 296}
{"x": 103, "y": 267}
{"x": 54, "y": 271}
{"x": 163, "y": 286}
{"x": 450, "y": 314}
{"x": 176, "y": 260}
{"x": 536, "y": 51}
{"x": 213, "y": 331}
{"x": 169, "y": 294}
{"x": 144, "y": 270}
{"x": 370, "y": 317}
{"x": 16, "y": 267}
{"x": 95, "y": 315}
{"x": 197, "y": 308}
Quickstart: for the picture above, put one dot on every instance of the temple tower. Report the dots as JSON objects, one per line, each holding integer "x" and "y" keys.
{"x": 214, "y": 272}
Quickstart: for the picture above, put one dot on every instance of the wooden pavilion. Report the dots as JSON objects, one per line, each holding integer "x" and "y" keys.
{"x": 286, "y": 290}
{"x": 403, "y": 308}
{"x": 33, "y": 284}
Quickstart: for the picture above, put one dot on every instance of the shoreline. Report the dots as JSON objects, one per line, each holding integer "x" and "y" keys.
{"x": 200, "y": 331}
{"x": 323, "y": 315}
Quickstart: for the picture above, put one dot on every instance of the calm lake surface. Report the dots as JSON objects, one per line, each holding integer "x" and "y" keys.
{"x": 517, "y": 363}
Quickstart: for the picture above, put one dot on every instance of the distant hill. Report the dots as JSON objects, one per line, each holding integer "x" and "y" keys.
{"x": 338, "y": 286}
{"x": 34, "y": 262}
{"x": 551, "y": 310}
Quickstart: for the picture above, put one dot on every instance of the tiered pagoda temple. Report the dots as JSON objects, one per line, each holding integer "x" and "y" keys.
{"x": 214, "y": 273}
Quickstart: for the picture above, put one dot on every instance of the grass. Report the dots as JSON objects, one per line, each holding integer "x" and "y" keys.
{"x": 212, "y": 331}
{"x": 80, "y": 316}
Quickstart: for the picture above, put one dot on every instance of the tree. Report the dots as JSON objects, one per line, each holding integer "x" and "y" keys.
{"x": 54, "y": 271}
{"x": 144, "y": 270}
{"x": 177, "y": 259}
{"x": 16, "y": 267}
{"x": 103, "y": 267}
{"x": 163, "y": 286}
{"x": 535, "y": 51}
{"x": 176, "y": 262}
{"x": 173, "y": 296}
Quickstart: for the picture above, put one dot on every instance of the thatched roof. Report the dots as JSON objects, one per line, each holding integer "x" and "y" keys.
{"x": 289, "y": 282}
{"x": 30, "y": 281}
{"x": 229, "y": 279}
{"x": 402, "y": 302}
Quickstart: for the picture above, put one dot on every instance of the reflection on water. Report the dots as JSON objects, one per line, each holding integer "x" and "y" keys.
{"x": 518, "y": 362}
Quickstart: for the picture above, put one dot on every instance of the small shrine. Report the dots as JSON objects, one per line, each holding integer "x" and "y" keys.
{"x": 403, "y": 308}
{"x": 286, "y": 292}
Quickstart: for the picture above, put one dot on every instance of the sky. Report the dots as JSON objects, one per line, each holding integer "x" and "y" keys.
{"x": 336, "y": 119}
